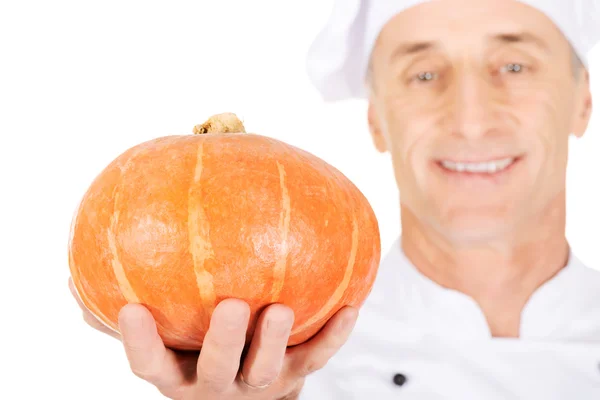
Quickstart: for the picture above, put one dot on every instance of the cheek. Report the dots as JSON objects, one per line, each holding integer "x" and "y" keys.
{"x": 546, "y": 132}
{"x": 408, "y": 136}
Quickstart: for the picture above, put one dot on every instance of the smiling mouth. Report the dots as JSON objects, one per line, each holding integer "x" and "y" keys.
{"x": 485, "y": 170}
{"x": 486, "y": 167}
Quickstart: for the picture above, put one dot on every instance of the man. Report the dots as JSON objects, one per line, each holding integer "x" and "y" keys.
{"x": 481, "y": 297}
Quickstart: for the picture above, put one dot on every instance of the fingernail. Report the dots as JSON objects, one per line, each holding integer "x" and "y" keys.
{"x": 131, "y": 321}
{"x": 347, "y": 323}
{"x": 279, "y": 327}
{"x": 279, "y": 323}
{"x": 235, "y": 316}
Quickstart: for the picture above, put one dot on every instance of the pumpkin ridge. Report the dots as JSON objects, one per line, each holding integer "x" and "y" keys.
{"x": 120, "y": 275}
{"x": 200, "y": 247}
{"x": 284, "y": 227}
{"x": 341, "y": 288}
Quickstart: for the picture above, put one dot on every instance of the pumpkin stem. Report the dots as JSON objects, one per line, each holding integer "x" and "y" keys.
{"x": 221, "y": 123}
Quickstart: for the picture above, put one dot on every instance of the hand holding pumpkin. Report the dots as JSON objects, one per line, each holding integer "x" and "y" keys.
{"x": 227, "y": 367}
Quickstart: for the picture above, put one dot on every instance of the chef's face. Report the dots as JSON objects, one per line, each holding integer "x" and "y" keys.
{"x": 475, "y": 100}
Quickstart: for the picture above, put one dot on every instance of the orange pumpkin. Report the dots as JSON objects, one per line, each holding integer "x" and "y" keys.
{"x": 180, "y": 223}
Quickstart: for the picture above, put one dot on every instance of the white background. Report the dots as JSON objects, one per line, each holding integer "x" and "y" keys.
{"x": 82, "y": 81}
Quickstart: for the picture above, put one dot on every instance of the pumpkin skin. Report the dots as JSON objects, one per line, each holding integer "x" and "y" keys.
{"x": 180, "y": 223}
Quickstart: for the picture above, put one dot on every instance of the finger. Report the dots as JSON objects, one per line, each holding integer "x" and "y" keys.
{"x": 222, "y": 348}
{"x": 90, "y": 318}
{"x": 314, "y": 354}
{"x": 148, "y": 357}
{"x": 265, "y": 356}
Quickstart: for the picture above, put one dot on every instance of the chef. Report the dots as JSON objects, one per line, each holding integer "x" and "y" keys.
{"x": 481, "y": 297}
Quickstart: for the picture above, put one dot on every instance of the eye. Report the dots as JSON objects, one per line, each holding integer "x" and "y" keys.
{"x": 425, "y": 76}
{"x": 513, "y": 68}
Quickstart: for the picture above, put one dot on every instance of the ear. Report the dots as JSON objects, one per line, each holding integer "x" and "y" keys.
{"x": 584, "y": 106}
{"x": 375, "y": 129}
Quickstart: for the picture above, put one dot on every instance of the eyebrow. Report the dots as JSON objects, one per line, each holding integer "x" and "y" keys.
{"x": 407, "y": 49}
{"x": 521, "y": 37}
{"x": 412, "y": 48}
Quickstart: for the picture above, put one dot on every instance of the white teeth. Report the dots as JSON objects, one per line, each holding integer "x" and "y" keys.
{"x": 484, "y": 167}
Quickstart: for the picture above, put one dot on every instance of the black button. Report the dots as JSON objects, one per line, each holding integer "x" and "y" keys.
{"x": 399, "y": 379}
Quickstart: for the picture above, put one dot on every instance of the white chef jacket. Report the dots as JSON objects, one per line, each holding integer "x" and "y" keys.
{"x": 415, "y": 340}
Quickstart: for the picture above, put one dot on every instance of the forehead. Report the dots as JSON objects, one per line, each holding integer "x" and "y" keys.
{"x": 477, "y": 23}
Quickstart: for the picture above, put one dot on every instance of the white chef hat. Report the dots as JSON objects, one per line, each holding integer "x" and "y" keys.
{"x": 339, "y": 56}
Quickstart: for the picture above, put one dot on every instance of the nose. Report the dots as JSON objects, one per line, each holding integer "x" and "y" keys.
{"x": 472, "y": 105}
